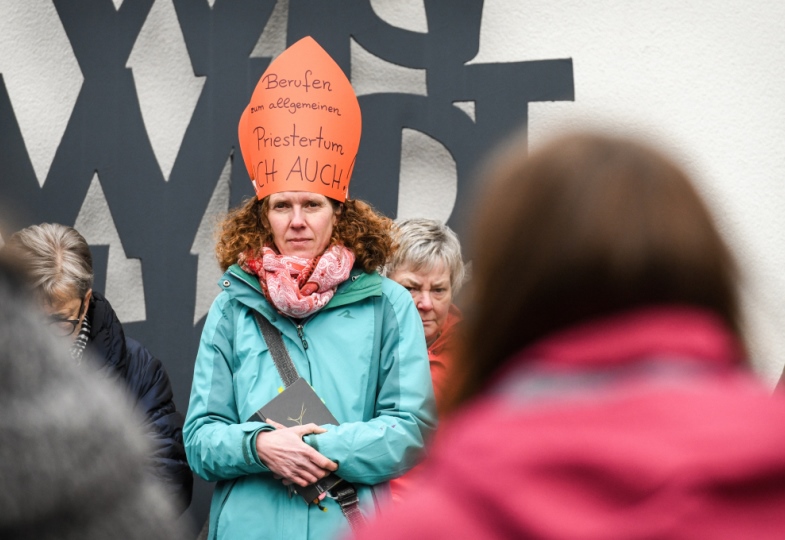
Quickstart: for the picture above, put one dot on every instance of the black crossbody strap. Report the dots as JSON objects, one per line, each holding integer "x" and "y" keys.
{"x": 345, "y": 493}
{"x": 283, "y": 363}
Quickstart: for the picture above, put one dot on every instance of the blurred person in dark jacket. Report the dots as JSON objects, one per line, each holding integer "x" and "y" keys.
{"x": 57, "y": 263}
{"x": 71, "y": 463}
{"x": 602, "y": 388}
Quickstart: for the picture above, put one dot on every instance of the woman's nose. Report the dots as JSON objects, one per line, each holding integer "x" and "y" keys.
{"x": 297, "y": 217}
{"x": 424, "y": 301}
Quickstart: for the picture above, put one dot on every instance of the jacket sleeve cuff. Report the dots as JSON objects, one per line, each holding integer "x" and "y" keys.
{"x": 249, "y": 446}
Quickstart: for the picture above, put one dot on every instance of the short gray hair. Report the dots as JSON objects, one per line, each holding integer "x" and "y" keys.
{"x": 422, "y": 244}
{"x": 55, "y": 259}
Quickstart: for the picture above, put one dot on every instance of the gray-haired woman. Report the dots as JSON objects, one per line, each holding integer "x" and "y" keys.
{"x": 58, "y": 265}
{"x": 428, "y": 264}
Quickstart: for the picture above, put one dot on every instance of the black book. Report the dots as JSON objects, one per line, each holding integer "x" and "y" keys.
{"x": 298, "y": 405}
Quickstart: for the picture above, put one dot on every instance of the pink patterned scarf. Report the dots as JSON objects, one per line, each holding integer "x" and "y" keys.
{"x": 298, "y": 287}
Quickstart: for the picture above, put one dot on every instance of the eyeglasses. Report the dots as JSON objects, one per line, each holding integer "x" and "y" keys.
{"x": 65, "y": 327}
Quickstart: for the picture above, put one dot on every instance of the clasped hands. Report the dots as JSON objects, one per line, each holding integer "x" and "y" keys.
{"x": 289, "y": 458}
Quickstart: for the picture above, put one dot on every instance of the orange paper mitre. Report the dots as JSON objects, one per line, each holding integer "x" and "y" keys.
{"x": 301, "y": 129}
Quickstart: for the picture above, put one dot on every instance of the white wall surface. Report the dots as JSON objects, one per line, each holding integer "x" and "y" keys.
{"x": 704, "y": 81}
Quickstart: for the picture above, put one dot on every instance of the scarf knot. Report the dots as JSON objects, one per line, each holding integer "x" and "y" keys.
{"x": 295, "y": 286}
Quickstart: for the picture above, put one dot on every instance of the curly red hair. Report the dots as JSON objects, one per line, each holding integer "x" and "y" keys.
{"x": 359, "y": 227}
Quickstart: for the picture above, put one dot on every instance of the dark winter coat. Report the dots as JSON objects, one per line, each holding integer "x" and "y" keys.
{"x": 61, "y": 481}
{"x": 144, "y": 376}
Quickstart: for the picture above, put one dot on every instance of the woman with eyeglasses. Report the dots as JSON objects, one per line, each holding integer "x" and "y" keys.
{"x": 58, "y": 265}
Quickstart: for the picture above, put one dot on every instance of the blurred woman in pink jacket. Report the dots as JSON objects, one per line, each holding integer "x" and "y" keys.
{"x": 602, "y": 390}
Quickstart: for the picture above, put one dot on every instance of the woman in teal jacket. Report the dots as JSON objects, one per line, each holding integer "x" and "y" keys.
{"x": 306, "y": 263}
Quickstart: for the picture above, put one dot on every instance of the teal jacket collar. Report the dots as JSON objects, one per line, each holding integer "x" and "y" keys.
{"x": 245, "y": 288}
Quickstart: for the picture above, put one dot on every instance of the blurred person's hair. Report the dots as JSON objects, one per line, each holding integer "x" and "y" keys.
{"x": 586, "y": 226}
{"x": 72, "y": 465}
{"x": 423, "y": 244}
{"x": 56, "y": 260}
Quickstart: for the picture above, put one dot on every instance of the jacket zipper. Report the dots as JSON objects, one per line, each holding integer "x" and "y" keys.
{"x": 298, "y": 326}
{"x": 376, "y": 505}
{"x": 302, "y": 338}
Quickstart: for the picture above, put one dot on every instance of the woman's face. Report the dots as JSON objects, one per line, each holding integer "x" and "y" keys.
{"x": 67, "y": 315}
{"x": 432, "y": 294}
{"x": 301, "y": 222}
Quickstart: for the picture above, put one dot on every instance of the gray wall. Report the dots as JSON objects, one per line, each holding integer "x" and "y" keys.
{"x": 120, "y": 117}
